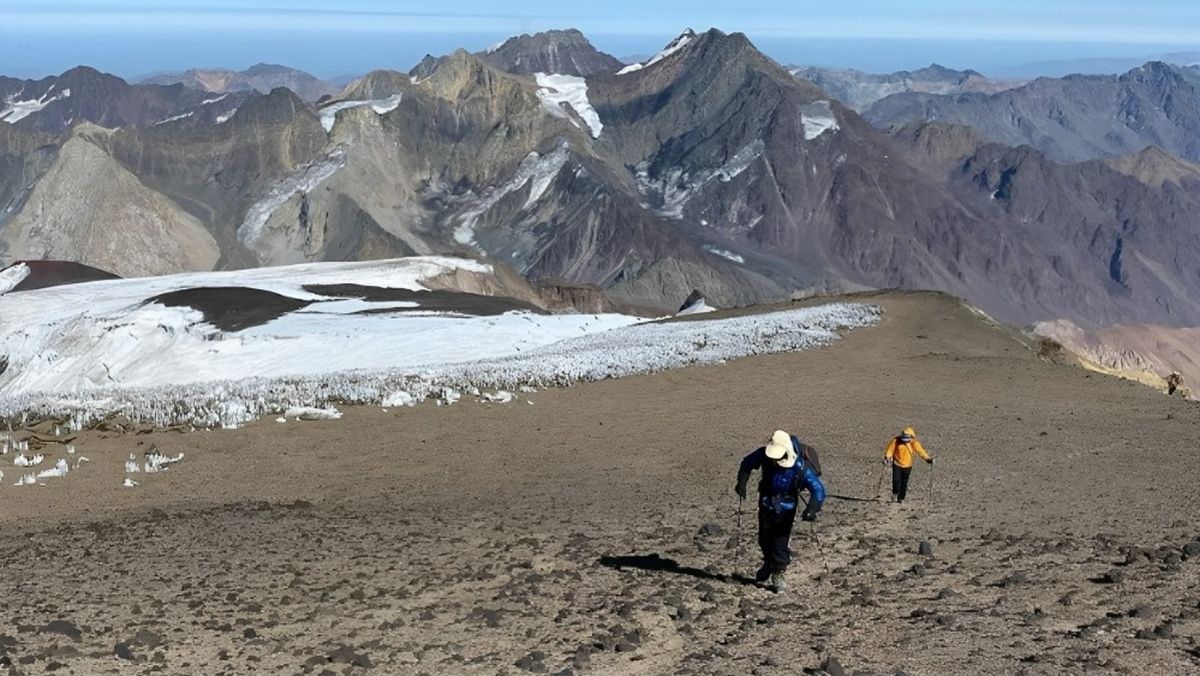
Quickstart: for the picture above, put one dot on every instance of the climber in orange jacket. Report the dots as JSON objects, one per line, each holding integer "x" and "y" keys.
{"x": 900, "y": 454}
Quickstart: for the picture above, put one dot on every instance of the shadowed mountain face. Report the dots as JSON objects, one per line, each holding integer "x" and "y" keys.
{"x": 858, "y": 90}
{"x": 1079, "y": 235}
{"x": 1075, "y": 118}
{"x": 262, "y": 77}
{"x": 707, "y": 166}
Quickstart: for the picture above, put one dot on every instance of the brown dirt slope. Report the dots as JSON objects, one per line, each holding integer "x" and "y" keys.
{"x": 567, "y": 534}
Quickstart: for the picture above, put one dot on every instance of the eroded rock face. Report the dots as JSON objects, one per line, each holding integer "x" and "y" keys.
{"x": 89, "y": 209}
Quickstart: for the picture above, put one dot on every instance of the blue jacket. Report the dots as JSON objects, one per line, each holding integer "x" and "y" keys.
{"x": 779, "y": 488}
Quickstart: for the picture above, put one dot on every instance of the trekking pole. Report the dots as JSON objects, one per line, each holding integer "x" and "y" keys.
{"x": 879, "y": 484}
{"x": 812, "y": 529}
{"x": 932, "y": 504}
{"x": 737, "y": 558}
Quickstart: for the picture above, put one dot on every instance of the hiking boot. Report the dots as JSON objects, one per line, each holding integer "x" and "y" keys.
{"x": 763, "y": 574}
{"x": 777, "y": 583}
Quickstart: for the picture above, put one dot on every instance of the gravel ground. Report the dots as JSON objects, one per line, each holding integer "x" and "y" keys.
{"x": 594, "y": 529}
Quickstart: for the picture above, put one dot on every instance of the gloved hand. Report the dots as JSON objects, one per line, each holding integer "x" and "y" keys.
{"x": 885, "y": 462}
{"x": 808, "y": 516}
{"x": 931, "y": 461}
{"x": 740, "y": 489}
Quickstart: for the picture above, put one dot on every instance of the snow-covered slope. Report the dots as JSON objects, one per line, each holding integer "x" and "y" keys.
{"x": 674, "y": 46}
{"x": 93, "y": 349}
{"x": 556, "y": 90}
{"x": 380, "y": 106}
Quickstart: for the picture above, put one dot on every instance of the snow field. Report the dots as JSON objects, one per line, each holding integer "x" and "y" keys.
{"x": 613, "y": 353}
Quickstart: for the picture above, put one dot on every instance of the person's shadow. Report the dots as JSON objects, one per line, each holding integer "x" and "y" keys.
{"x": 656, "y": 563}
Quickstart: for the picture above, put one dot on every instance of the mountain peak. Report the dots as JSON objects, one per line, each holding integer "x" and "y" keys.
{"x": 565, "y": 52}
{"x": 86, "y": 74}
{"x": 425, "y": 67}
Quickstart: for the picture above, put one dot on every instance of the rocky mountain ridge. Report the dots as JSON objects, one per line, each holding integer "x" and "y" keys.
{"x": 83, "y": 94}
{"x": 707, "y": 166}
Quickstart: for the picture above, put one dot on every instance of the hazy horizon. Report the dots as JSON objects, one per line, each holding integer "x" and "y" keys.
{"x": 135, "y": 38}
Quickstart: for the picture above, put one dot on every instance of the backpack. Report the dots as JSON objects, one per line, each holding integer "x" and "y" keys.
{"x": 808, "y": 453}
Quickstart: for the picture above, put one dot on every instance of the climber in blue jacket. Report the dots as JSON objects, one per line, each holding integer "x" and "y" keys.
{"x": 787, "y": 468}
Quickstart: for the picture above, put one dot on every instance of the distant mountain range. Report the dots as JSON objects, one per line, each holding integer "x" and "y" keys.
{"x": 83, "y": 94}
{"x": 1075, "y": 118}
{"x": 706, "y": 166}
{"x": 1097, "y": 66}
{"x": 262, "y": 77}
{"x": 859, "y": 90}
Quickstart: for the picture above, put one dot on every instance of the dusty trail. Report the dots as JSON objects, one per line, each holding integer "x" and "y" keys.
{"x": 595, "y": 530}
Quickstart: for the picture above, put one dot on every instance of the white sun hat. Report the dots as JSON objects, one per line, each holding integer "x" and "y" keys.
{"x": 780, "y": 449}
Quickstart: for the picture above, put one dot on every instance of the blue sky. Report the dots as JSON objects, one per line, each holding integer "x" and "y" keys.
{"x": 329, "y": 38}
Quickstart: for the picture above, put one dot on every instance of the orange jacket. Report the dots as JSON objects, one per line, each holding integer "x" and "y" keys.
{"x": 901, "y": 452}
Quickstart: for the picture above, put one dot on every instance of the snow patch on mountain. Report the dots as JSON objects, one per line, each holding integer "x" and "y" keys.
{"x": 11, "y": 276}
{"x": 175, "y": 117}
{"x": 380, "y": 106}
{"x": 674, "y": 46}
{"x": 537, "y": 170}
{"x": 817, "y": 118}
{"x": 304, "y": 179}
{"x": 18, "y": 110}
{"x": 724, "y": 253}
{"x": 556, "y": 90}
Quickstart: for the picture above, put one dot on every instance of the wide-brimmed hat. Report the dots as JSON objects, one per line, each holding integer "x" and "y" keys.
{"x": 780, "y": 449}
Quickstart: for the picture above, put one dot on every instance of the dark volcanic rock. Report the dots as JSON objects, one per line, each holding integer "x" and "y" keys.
{"x": 63, "y": 627}
{"x": 44, "y": 274}
{"x": 232, "y": 308}
{"x": 533, "y": 662}
{"x": 123, "y": 650}
{"x": 347, "y": 655}
{"x": 833, "y": 667}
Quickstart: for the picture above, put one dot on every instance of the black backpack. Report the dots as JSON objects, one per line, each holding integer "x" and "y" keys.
{"x": 808, "y": 453}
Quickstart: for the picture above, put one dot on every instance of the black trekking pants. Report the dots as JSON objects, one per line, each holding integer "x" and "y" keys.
{"x": 774, "y": 532}
{"x": 900, "y": 482}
